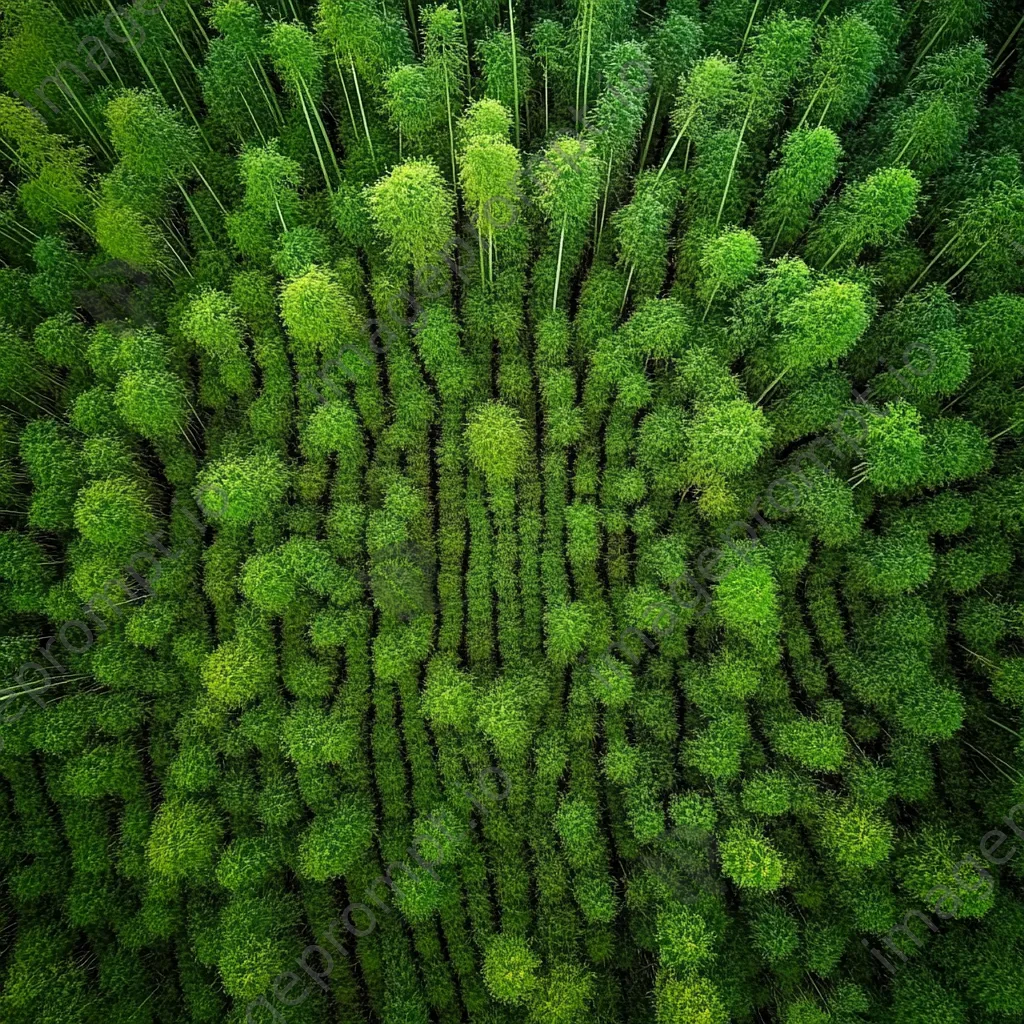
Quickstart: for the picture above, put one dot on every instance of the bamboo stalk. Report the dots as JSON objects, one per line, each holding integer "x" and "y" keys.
{"x": 558, "y": 266}
{"x": 732, "y": 166}
{"x": 675, "y": 143}
{"x": 515, "y": 72}
{"x": 650, "y": 131}
{"x": 344, "y": 89}
{"x": 362, "y": 109}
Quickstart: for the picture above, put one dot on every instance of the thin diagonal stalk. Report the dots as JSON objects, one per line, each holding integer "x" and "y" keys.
{"x": 344, "y": 89}
{"x": 732, "y": 166}
{"x": 316, "y": 145}
{"x": 362, "y": 109}
{"x": 515, "y": 71}
{"x": 558, "y": 266}
{"x": 650, "y": 131}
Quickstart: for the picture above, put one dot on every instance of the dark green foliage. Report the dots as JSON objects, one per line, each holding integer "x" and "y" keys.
{"x": 511, "y": 513}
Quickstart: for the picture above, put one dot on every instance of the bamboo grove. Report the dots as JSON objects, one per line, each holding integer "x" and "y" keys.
{"x": 511, "y": 512}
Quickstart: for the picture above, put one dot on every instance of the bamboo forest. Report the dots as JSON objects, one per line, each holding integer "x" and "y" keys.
{"x": 512, "y": 511}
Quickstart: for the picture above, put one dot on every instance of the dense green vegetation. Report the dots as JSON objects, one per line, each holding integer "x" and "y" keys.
{"x": 511, "y": 512}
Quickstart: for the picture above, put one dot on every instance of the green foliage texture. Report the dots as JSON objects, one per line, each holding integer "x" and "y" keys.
{"x": 511, "y": 512}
